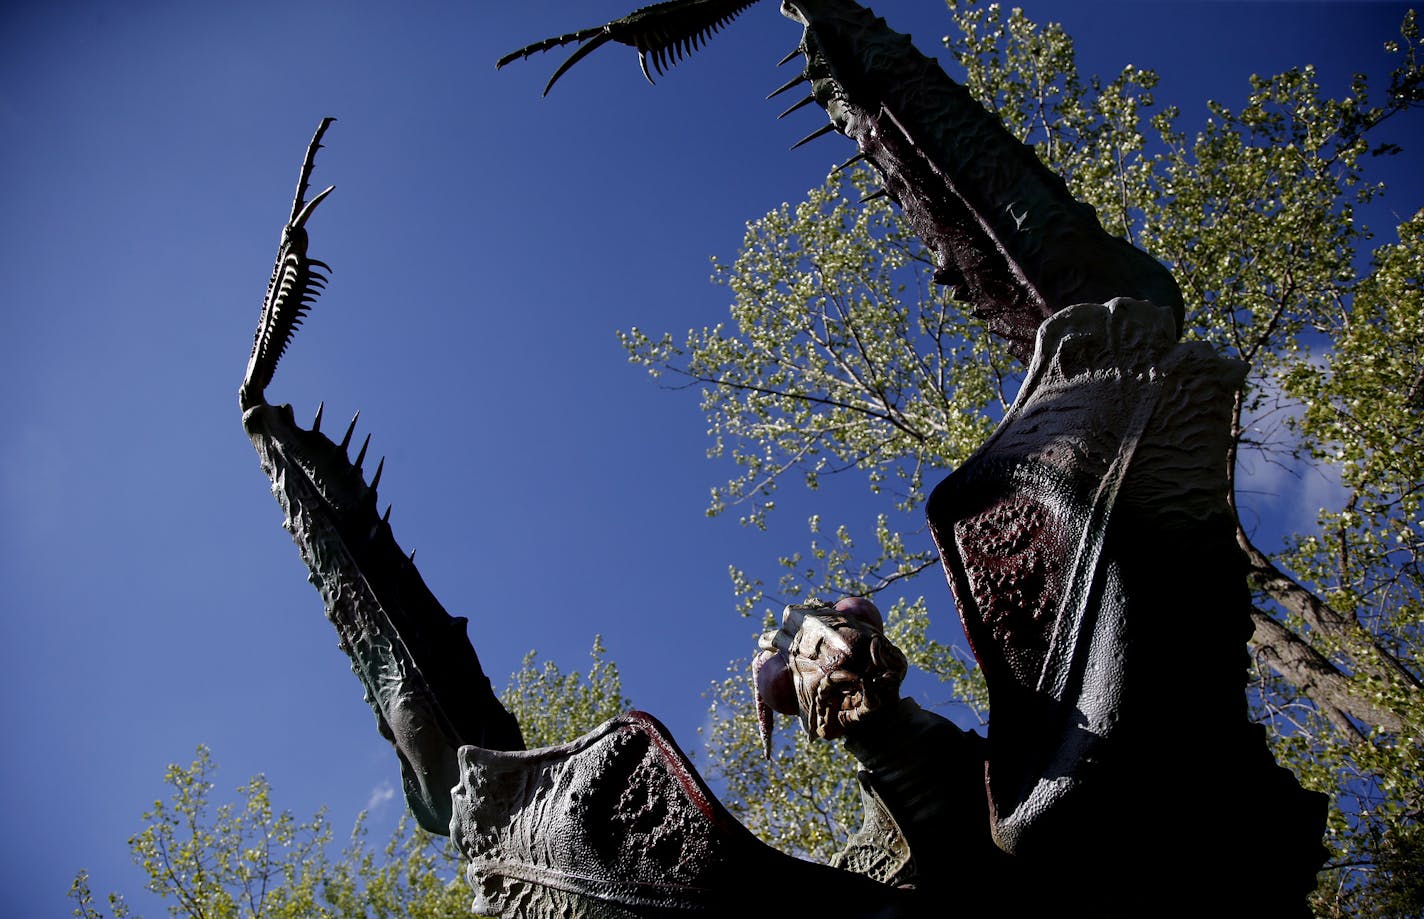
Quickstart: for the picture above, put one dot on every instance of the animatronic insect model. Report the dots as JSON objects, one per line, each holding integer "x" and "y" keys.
{"x": 1077, "y": 541}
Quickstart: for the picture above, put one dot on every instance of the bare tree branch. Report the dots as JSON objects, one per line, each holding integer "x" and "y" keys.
{"x": 1306, "y": 669}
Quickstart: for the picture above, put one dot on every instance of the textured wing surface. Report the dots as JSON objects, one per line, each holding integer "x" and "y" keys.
{"x": 618, "y": 825}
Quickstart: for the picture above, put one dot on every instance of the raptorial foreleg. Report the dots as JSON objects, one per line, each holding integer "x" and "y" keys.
{"x": 420, "y": 674}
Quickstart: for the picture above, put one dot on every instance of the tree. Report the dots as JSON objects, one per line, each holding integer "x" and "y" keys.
{"x": 210, "y": 860}
{"x": 842, "y": 358}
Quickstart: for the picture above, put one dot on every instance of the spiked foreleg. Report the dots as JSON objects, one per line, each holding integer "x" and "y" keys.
{"x": 420, "y": 673}
{"x": 1004, "y": 227}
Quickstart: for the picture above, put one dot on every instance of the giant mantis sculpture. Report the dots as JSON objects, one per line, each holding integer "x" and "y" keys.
{"x": 1076, "y": 541}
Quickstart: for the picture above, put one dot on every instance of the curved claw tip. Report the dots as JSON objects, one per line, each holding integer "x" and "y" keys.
{"x": 310, "y": 206}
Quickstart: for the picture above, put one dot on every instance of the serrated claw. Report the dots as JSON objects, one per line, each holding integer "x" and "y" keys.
{"x": 292, "y": 288}
{"x": 667, "y": 31}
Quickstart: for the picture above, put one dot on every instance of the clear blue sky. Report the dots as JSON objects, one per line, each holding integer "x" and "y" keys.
{"x": 486, "y": 243}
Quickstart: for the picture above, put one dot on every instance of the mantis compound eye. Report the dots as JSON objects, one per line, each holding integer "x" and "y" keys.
{"x": 773, "y": 682}
{"x": 861, "y": 608}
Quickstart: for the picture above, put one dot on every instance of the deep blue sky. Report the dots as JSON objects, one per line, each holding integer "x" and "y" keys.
{"x": 486, "y": 243}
